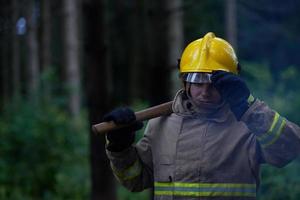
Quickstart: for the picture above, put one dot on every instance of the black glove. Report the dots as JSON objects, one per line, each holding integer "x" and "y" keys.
{"x": 233, "y": 90}
{"x": 120, "y": 139}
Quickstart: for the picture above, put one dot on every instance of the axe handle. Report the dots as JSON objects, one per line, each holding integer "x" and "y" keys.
{"x": 149, "y": 113}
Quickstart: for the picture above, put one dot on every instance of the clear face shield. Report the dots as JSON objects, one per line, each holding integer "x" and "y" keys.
{"x": 197, "y": 77}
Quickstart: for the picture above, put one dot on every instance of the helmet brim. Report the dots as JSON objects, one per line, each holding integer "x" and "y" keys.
{"x": 197, "y": 77}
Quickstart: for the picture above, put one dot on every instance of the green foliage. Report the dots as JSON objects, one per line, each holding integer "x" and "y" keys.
{"x": 282, "y": 95}
{"x": 43, "y": 153}
{"x": 281, "y": 183}
{"x": 124, "y": 194}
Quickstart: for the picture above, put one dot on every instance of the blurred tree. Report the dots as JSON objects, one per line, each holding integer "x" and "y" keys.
{"x": 231, "y": 22}
{"x": 158, "y": 70}
{"x": 46, "y": 59}
{"x": 5, "y": 23}
{"x": 71, "y": 54}
{"x": 122, "y": 42}
{"x": 33, "y": 51}
{"x": 99, "y": 99}
{"x": 269, "y": 33}
{"x": 57, "y": 39}
{"x": 16, "y": 76}
{"x": 137, "y": 52}
{"x": 175, "y": 39}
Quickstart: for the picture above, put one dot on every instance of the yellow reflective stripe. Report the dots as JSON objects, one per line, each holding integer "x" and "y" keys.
{"x": 131, "y": 172}
{"x": 205, "y": 194}
{"x": 229, "y": 185}
{"x": 205, "y": 189}
{"x": 274, "y": 131}
{"x": 197, "y": 185}
{"x": 166, "y": 193}
{"x": 250, "y": 99}
{"x": 275, "y": 120}
{"x": 277, "y": 134}
{"x": 160, "y": 184}
{"x": 106, "y": 140}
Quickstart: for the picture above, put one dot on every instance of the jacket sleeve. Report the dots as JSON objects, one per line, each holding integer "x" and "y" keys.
{"x": 133, "y": 167}
{"x": 278, "y": 138}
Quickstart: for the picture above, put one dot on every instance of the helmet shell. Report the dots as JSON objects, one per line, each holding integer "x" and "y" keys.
{"x": 209, "y": 54}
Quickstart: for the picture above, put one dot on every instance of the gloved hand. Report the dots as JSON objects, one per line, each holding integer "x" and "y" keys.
{"x": 120, "y": 139}
{"x": 233, "y": 90}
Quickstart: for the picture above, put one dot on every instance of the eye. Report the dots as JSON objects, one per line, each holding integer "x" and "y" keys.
{"x": 210, "y": 86}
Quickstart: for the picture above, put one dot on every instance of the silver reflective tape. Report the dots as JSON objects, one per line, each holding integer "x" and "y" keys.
{"x": 197, "y": 77}
{"x": 194, "y": 77}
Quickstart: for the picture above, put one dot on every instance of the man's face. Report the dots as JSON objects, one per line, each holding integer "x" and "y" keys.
{"x": 204, "y": 93}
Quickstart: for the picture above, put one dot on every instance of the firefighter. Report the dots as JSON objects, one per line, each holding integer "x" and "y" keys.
{"x": 212, "y": 145}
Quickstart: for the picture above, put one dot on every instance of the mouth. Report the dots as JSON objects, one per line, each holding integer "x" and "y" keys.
{"x": 204, "y": 101}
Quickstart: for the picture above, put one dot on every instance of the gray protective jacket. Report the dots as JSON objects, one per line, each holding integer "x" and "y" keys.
{"x": 206, "y": 153}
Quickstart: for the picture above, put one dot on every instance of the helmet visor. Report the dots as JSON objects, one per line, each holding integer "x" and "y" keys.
{"x": 197, "y": 77}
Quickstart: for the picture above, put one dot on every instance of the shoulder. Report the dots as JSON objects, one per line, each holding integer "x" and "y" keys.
{"x": 163, "y": 124}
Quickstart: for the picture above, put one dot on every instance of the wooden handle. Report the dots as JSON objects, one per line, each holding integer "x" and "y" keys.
{"x": 149, "y": 113}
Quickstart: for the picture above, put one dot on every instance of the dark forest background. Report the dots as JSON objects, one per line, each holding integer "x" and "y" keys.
{"x": 65, "y": 63}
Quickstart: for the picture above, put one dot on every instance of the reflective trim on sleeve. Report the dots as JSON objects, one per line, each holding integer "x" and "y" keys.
{"x": 250, "y": 99}
{"x": 131, "y": 172}
{"x": 205, "y": 189}
{"x": 274, "y": 131}
{"x": 106, "y": 141}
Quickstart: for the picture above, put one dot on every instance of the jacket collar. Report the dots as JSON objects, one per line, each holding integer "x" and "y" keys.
{"x": 182, "y": 105}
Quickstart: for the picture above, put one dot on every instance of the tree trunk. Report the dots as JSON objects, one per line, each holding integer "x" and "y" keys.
{"x": 231, "y": 24}
{"x": 16, "y": 79}
{"x": 5, "y": 72}
{"x": 98, "y": 95}
{"x": 71, "y": 51}
{"x": 164, "y": 45}
{"x": 5, "y": 51}
{"x": 33, "y": 54}
{"x": 157, "y": 73}
{"x": 175, "y": 39}
{"x": 45, "y": 44}
{"x": 136, "y": 48}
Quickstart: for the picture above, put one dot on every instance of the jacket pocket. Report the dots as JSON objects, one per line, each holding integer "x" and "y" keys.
{"x": 163, "y": 168}
{"x": 163, "y": 177}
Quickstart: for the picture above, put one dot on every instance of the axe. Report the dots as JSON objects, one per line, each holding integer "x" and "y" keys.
{"x": 149, "y": 113}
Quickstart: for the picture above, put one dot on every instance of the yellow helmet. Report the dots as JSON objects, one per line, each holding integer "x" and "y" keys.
{"x": 209, "y": 54}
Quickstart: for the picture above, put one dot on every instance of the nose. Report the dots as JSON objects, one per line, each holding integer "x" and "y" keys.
{"x": 204, "y": 89}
